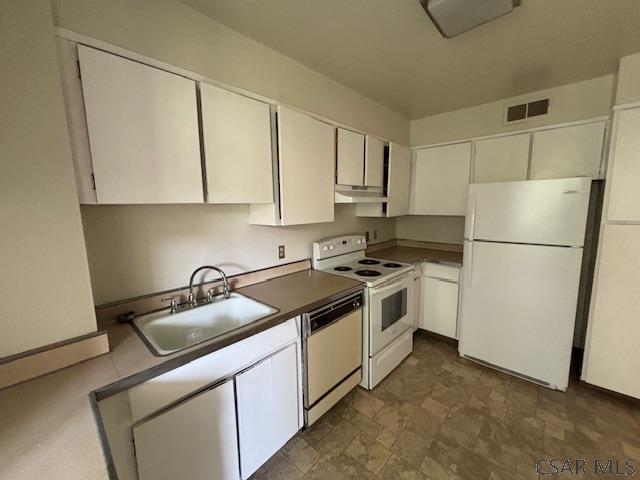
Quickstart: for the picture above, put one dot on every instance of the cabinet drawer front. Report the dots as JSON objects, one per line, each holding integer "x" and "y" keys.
{"x": 164, "y": 389}
{"x": 439, "y": 270}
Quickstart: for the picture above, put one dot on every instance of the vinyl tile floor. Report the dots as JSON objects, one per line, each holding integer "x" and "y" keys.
{"x": 441, "y": 417}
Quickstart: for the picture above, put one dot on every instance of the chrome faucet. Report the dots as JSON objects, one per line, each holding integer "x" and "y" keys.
{"x": 192, "y": 298}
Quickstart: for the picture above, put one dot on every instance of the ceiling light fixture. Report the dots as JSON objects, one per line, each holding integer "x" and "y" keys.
{"x": 453, "y": 17}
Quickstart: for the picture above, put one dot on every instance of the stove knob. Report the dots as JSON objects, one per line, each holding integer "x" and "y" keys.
{"x": 325, "y": 248}
{"x": 332, "y": 246}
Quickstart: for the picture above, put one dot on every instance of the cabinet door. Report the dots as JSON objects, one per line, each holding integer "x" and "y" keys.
{"x": 268, "y": 409}
{"x": 143, "y": 131}
{"x": 439, "y": 306}
{"x": 568, "y": 152}
{"x": 197, "y": 439}
{"x": 612, "y": 358}
{"x": 399, "y": 179}
{"x": 624, "y": 168}
{"x": 236, "y": 131}
{"x": 374, "y": 162}
{"x": 440, "y": 180}
{"x": 307, "y": 168}
{"x": 503, "y": 159}
{"x": 350, "y": 158}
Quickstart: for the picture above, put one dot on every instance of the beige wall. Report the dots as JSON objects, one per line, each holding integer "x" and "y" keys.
{"x": 431, "y": 228}
{"x": 576, "y": 101}
{"x": 170, "y": 31}
{"x": 45, "y": 295}
{"x": 135, "y": 250}
{"x": 628, "y": 89}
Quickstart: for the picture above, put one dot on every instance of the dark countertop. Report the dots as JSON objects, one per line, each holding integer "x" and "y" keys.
{"x": 414, "y": 255}
{"x": 291, "y": 295}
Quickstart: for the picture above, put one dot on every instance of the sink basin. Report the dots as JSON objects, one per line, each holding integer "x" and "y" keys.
{"x": 165, "y": 333}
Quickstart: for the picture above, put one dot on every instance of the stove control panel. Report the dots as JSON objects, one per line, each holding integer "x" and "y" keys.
{"x": 331, "y": 247}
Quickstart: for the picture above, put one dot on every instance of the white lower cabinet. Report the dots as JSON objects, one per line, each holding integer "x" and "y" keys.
{"x": 197, "y": 439}
{"x": 267, "y": 398}
{"x": 439, "y": 297}
{"x": 222, "y": 415}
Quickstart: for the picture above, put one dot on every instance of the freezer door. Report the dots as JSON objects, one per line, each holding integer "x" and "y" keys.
{"x": 518, "y": 308}
{"x": 543, "y": 212}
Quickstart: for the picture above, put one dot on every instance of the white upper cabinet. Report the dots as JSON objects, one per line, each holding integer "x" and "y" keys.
{"x": 236, "y": 131}
{"x": 502, "y": 159}
{"x": 306, "y": 169}
{"x": 624, "y": 168}
{"x": 573, "y": 151}
{"x": 143, "y": 131}
{"x": 374, "y": 162}
{"x": 350, "y": 158}
{"x": 399, "y": 180}
{"x": 440, "y": 180}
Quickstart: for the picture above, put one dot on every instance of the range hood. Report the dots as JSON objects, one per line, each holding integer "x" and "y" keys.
{"x": 453, "y": 17}
{"x": 356, "y": 194}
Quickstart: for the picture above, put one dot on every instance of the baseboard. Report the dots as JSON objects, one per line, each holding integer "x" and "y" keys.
{"x": 40, "y": 361}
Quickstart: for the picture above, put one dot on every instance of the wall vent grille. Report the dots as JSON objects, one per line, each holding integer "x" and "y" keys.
{"x": 524, "y": 111}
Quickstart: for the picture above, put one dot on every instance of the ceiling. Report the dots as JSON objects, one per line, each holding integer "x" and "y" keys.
{"x": 390, "y": 51}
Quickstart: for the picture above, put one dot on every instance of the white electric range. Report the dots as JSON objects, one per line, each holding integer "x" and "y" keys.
{"x": 388, "y": 301}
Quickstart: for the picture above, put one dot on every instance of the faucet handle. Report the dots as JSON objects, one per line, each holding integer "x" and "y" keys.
{"x": 174, "y": 303}
{"x": 210, "y": 295}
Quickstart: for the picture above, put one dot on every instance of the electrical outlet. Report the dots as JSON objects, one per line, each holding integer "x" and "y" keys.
{"x": 366, "y": 235}
{"x": 375, "y": 234}
{"x": 280, "y": 251}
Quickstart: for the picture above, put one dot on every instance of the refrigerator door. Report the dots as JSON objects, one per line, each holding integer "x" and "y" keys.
{"x": 518, "y": 308}
{"x": 542, "y": 212}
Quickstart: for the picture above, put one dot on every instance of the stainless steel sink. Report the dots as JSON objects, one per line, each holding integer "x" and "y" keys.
{"x": 167, "y": 333}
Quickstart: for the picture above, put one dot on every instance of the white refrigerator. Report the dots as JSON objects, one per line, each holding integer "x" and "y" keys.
{"x": 521, "y": 274}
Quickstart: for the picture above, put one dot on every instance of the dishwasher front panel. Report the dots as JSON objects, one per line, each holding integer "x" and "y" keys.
{"x": 332, "y": 354}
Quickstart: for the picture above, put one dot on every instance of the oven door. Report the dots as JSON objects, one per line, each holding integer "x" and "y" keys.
{"x": 390, "y": 311}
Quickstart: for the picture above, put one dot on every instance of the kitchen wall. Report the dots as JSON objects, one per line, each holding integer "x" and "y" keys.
{"x": 431, "y": 228}
{"x": 628, "y": 88}
{"x": 135, "y": 250}
{"x": 575, "y": 101}
{"x": 45, "y": 293}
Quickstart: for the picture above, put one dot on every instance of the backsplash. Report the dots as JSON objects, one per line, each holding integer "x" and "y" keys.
{"x": 140, "y": 249}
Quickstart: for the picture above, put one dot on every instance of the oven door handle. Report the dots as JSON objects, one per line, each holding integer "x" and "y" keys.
{"x": 376, "y": 291}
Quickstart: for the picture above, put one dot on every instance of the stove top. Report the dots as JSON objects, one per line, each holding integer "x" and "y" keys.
{"x": 368, "y": 273}
{"x": 345, "y": 256}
